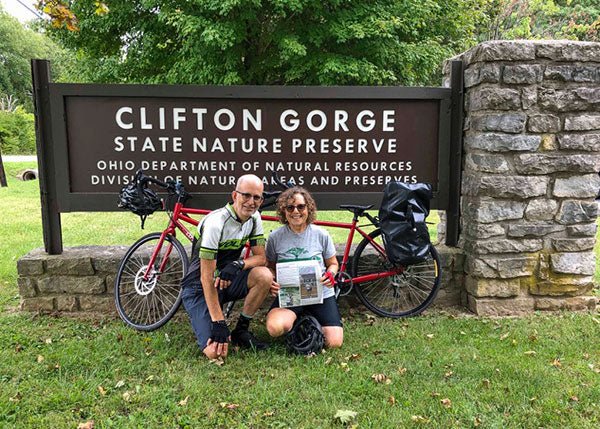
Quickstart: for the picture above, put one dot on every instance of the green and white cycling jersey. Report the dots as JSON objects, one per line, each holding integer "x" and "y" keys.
{"x": 221, "y": 235}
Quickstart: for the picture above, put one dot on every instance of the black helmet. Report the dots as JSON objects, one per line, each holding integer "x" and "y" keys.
{"x": 306, "y": 336}
{"x": 139, "y": 199}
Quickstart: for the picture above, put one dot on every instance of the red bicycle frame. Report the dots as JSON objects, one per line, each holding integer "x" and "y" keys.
{"x": 182, "y": 214}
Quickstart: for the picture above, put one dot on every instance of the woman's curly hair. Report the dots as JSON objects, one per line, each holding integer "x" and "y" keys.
{"x": 288, "y": 194}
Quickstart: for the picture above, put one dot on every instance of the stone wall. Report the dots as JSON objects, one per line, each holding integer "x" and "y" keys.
{"x": 81, "y": 280}
{"x": 530, "y": 175}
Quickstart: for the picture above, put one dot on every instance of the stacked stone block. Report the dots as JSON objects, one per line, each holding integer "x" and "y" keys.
{"x": 530, "y": 175}
{"x": 81, "y": 279}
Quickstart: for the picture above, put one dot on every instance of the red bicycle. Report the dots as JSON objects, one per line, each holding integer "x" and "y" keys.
{"x": 147, "y": 285}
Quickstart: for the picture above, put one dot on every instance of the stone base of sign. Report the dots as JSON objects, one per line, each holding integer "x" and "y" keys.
{"x": 81, "y": 280}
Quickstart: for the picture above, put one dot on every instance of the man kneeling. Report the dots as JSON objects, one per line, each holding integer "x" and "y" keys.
{"x": 217, "y": 273}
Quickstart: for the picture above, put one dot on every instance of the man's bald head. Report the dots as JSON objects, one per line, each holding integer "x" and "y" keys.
{"x": 248, "y": 179}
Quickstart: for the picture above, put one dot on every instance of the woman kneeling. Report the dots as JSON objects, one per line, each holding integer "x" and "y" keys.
{"x": 299, "y": 239}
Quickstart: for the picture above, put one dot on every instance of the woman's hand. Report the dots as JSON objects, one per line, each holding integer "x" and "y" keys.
{"x": 328, "y": 279}
{"x": 274, "y": 289}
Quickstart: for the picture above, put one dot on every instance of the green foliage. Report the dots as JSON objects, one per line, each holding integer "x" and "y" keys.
{"x": 17, "y": 132}
{"x": 542, "y": 19}
{"x": 18, "y": 45}
{"x": 277, "y": 42}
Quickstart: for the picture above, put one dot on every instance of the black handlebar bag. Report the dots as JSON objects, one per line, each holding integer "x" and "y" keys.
{"x": 402, "y": 215}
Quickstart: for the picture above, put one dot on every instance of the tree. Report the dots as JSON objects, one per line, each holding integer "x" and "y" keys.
{"x": 542, "y": 19}
{"x": 18, "y": 46}
{"x": 278, "y": 42}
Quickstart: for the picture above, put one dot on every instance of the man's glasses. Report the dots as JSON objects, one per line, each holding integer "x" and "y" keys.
{"x": 246, "y": 196}
{"x": 291, "y": 208}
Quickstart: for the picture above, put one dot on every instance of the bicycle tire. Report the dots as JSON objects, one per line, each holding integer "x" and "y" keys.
{"x": 402, "y": 295}
{"x": 148, "y": 305}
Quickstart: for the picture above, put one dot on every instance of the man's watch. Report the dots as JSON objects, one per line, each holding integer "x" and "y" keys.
{"x": 240, "y": 264}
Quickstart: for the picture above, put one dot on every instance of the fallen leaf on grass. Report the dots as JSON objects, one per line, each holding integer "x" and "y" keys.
{"x": 402, "y": 370}
{"x": 596, "y": 370}
{"x": 556, "y": 363}
{"x": 328, "y": 360}
{"x": 345, "y": 366}
{"x": 228, "y": 405}
{"x": 381, "y": 378}
{"x": 218, "y": 361}
{"x": 183, "y": 402}
{"x": 448, "y": 374}
{"x": 48, "y": 340}
{"x": 101, "y": 390}
{"x": 120, "y": 383}
{"x": 504, "y": 336}
{"x": 434, "y": 394}
{"x": 574, "y": 399}
{"x": 476, "y": 421}
{"x": 345, "y": 416}
{"x": 485, "y": 383}
{"x": 268, "y": 414}
{"x": 430, "y": 336}
{"x": 530, "y": 353}
{"x": 18, "y": 348}
{"x": 127, "y": 396}
{"x": 353, "y": 356}
{"x": 87, "y": 425}
{"x": 40, "y": 359}
{"x": 150, "y": 378}
{"x": 446, "y": 402}
{"x": 16, "y": 398}
{"x": 419, "y": 419}
{"x": 392, "y": 400}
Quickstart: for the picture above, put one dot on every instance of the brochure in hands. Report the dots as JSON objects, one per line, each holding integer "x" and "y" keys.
{"x": 299, "y": 283}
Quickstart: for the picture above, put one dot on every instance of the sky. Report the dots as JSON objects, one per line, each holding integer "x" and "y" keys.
{"x": 19, "y": 9}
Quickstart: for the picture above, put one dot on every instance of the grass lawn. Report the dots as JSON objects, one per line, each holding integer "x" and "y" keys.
{"x": 439, "y": 370}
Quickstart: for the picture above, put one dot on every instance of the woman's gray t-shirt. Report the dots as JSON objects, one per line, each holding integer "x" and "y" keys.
{"x": 314, "y": 242}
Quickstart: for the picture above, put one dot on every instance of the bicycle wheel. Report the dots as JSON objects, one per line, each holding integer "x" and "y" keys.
{"x": 401, "y": 295}
{"x": 147, "y": 304}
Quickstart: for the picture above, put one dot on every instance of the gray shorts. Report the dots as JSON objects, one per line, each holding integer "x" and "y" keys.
{"x": 195, "y": 304}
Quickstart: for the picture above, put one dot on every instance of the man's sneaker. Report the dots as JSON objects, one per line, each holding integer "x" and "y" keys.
{"x": 246, "y": 340}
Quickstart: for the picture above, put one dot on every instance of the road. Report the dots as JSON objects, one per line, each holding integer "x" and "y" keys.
{"x": 18, "y": 158}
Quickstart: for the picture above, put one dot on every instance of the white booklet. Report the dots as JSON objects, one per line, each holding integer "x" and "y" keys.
{"x": 299, "y": 283}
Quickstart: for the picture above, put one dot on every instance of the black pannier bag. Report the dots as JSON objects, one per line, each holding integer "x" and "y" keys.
{"x": 402, "y": 215}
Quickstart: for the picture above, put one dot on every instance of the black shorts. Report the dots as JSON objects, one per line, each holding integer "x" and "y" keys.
{"x": 327, "y": 313}
{"x": 195, "y": 304}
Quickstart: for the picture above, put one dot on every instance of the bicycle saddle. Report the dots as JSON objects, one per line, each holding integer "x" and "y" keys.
{"x": 358, "y": 210}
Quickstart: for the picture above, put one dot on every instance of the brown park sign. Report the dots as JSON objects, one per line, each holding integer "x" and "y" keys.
{"x": 342, "y": 143}
{"x": 326, "y": 145}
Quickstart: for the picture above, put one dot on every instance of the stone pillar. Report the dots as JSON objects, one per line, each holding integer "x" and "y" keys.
{"x": 530, "y": 175}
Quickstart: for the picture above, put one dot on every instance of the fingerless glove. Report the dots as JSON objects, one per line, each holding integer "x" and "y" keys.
{"x": 330, "y": 276}
{"x": 219, "y": 332}
{"x": 230, "y": 271}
